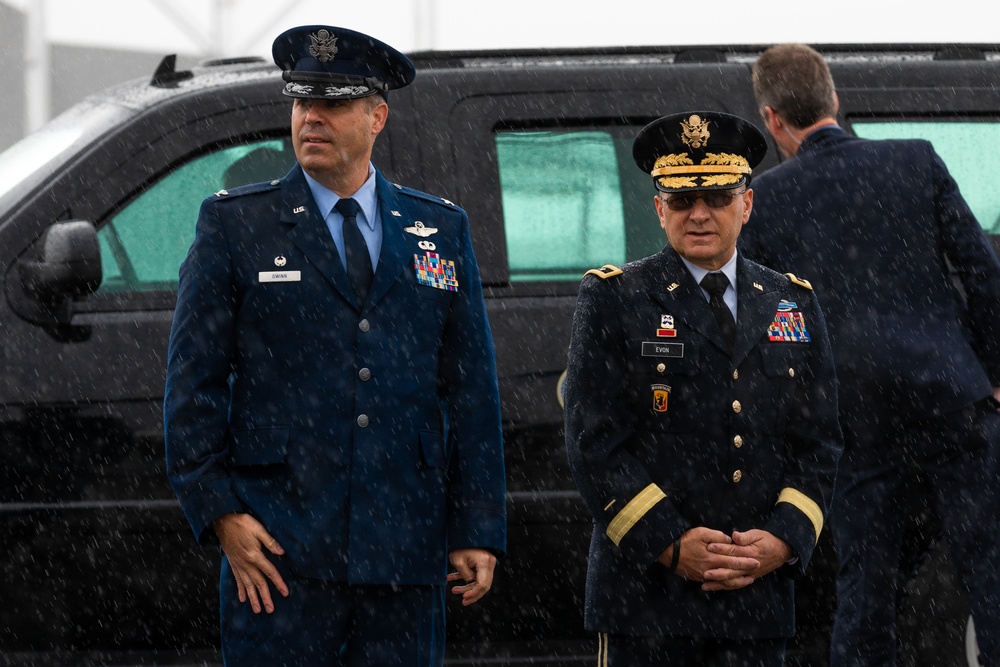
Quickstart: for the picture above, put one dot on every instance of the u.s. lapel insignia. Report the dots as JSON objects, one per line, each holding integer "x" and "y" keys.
{"x": 672, "y": 287}
{"x": 666, "y": 329}
{"x": 299, "y": 209}
{"x": 758, "y": 287}
{"x": 661, "y": 394}
{"x": 396, "y": 214}
{"x": 421, "y": 230}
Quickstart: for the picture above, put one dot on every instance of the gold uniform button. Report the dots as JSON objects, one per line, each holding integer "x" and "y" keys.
{"x": 737, "y": 476}
{"x": 661, "y": 367}
{"x": 738, "y": 441}
{"x": 737, "y": 407}
{"x": 791, "y": 372}
{"x": 736, "y": 374}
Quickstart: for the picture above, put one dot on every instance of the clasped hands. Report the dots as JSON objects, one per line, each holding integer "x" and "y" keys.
{"x": 724, "y": 562}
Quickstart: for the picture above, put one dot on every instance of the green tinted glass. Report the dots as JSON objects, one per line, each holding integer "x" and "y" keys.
{"x": 573, "y": 200}
{"x": 969, "y": 150}
{"x": 143, "y": 245}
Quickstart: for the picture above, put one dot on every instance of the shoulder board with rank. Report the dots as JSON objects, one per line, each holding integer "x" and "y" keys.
{"x": 425, "y": 196}
{"x": 605, "y": 272}
{"x": 801, "y": 282}
{"x": 248, "y": 189}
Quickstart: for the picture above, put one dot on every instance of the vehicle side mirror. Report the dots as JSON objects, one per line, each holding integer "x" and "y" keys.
{"x": 67, "y": 266}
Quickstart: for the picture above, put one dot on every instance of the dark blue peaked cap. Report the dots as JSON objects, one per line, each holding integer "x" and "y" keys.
{"x": 699, "y": 150}
{"x": 327, "y": 62}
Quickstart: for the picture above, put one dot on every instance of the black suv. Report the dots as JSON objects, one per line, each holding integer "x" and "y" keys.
{"x": 97, "y": 211}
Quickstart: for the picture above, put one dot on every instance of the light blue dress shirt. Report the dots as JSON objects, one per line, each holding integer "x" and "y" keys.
{"x": 729, "y": 268}
{"x": 370, "y": 222}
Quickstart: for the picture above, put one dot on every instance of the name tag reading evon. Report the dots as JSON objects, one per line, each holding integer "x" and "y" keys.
{"x": 653, "y": 349}
{"x": 279, "y": 276}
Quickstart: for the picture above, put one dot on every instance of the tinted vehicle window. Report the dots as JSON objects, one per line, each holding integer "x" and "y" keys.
{"x": 143, "y": 245}
{"x": 969, "y": 150}
{"x": 572, "y": 200}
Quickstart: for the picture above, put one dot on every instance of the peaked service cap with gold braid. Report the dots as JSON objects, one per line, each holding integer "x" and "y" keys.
{"x": 699, "y": 150}
{"x": 327, "y": 62}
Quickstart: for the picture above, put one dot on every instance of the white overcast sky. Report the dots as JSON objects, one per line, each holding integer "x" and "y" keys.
{"x": 247, "y": 27}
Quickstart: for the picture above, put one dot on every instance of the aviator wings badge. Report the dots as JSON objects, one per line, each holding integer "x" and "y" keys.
{"x": 420, "y": 230}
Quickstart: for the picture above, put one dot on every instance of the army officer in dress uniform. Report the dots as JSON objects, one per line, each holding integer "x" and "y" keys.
{"x": 701, "y": 420}
{"x": 332, "y": 412}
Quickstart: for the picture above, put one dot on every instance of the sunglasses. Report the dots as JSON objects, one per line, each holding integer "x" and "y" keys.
{"x": 712, "y": 199}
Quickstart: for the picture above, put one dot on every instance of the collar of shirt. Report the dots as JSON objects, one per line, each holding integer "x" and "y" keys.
{"x": 366, "y": 197}
{"x": 729, "y": 268}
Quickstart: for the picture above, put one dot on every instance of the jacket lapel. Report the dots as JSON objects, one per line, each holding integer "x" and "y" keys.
{"x": 683, "y": 298}
{"x": 395, "y": 255}
{"x": 757, "y": 303}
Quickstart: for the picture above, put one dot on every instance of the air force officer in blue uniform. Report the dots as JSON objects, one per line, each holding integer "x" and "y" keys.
{"x": 701, "y": 420}
{"x": 332, "y": 412}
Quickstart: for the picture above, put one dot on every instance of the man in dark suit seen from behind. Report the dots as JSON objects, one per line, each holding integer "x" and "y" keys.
{"x": 332, "y": 412}
{"x": 876, "y": 225}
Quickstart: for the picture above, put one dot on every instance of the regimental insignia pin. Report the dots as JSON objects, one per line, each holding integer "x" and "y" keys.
{"x": 420, "y": 229}
{"x": 661, "y": 393}
{"x": 672, "y": 287}
{"x": 299, "y": 209}
{"x": 323, "y": 47}
{"x": 280, "y": 261}
{"x": 666, "y": 329}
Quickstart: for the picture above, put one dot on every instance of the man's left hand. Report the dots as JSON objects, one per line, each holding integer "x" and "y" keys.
{"x": 772, "y": 552}
{"x": 475, "y": 567}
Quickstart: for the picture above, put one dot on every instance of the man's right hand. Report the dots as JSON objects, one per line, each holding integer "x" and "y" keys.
{"x": 695, "y": 560}
{"x": 242, "y": 537}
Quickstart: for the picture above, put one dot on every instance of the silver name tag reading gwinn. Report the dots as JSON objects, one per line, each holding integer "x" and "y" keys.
{"x": 654, "y": 349}
{"x": 279, "y": 276}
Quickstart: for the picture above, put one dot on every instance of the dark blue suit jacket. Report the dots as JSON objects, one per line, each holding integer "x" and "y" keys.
{"x": 365, "y": 437}
{"x": 874, "y": 224}
{"x": 669, "y": 432}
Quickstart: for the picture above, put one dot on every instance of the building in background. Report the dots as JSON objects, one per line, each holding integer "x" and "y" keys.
{"x": 74, "y": 72}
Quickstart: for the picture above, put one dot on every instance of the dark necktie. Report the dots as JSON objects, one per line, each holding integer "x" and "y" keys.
{"x": 715, "y": 284}
{"x": 359, "y": 261}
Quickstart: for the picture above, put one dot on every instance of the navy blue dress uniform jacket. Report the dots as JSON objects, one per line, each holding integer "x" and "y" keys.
{"x": 366, "y": 437}
{"x": 671, "y": 432}
{"x": 874, "y": 224}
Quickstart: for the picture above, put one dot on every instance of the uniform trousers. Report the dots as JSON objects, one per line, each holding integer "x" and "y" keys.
{"x": 616, "y": 650}
{"x": 956, "y": 454}
{"x": 332, "y": 624}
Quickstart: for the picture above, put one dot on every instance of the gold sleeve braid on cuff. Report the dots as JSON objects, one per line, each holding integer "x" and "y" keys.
{"x": 633, "y": 511}
{"x": 804, "y": 504}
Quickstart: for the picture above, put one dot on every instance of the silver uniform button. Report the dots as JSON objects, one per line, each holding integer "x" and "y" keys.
{"x": 363, "y": 421}
{"x": 364, "y": 325}
{"x": 364, "y": 375}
